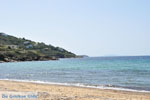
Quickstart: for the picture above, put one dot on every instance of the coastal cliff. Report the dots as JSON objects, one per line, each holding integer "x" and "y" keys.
{"x": 21, "y": 49}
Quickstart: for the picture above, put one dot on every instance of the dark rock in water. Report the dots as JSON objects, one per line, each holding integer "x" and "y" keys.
{"x": 54, "y": 58}
{"x": 6, "y": 60}
{"x": 1, "y": 61}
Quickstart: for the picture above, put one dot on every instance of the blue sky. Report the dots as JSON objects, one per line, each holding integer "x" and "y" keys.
{"x": 91, "y": 27}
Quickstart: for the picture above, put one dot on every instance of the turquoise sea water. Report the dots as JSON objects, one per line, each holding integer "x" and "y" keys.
{"x": 120, "y": 72}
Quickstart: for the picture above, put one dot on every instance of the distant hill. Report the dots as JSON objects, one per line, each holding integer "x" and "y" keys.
{"x": 21, "y": 49}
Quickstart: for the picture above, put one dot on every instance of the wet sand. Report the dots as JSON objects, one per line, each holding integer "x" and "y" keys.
{"x": 60, "y": 92}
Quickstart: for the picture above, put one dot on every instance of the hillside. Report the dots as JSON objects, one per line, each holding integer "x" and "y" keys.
{"x": 21, "y": 49}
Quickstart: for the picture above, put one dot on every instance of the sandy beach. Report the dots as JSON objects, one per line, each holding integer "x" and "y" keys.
{"x": 59, "y": 92}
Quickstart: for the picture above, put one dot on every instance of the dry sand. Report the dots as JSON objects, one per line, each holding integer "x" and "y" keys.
{"x": 59, "y": 92}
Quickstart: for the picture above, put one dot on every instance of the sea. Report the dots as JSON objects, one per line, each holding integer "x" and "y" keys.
{"x": 129, "y": 73}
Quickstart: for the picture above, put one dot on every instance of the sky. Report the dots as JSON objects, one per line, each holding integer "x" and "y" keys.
{"x": 84, "y": 27}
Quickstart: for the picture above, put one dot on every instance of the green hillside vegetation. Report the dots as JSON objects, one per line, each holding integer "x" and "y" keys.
{"x": 21, "y": 49}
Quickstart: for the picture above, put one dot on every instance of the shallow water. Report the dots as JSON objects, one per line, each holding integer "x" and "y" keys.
{"x": 121, "y": 72}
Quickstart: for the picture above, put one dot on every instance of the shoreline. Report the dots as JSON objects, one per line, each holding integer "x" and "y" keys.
{"x": 78, "y": 85}
{"x": 27, "y": 60}
{"x": 56, "y": 59}
{"x": 56, "y": 92}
